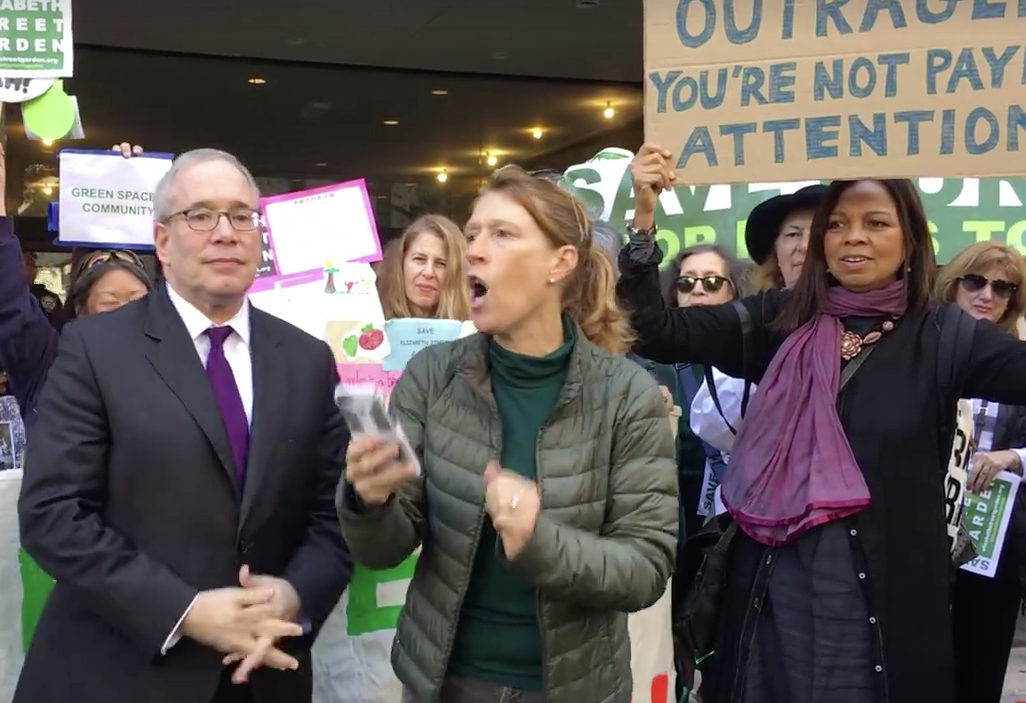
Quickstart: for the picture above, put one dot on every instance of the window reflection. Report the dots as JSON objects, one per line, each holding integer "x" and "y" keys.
{"x": 307, "y": 125}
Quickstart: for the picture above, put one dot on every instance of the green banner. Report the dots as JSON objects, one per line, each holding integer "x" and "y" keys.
{"x": 364, "y": 612}
{"x": 961, "y": 211}
{"x": 36, "y": 585}
{"x": 984, "y": 512}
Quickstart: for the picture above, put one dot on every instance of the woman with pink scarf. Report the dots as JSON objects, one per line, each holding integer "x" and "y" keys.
{"x": 838, "y": 574}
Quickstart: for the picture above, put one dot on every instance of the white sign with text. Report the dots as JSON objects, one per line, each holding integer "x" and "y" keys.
{"x": 106, "y": 199}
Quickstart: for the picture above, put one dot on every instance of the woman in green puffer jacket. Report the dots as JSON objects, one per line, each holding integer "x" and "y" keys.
{"x": 546, "y": 508}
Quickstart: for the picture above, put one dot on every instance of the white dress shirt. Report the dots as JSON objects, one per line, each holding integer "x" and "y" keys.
{"x": 237, "y": 352}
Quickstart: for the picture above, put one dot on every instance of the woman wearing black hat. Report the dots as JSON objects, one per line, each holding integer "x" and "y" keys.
{"x": 777, "y": 235}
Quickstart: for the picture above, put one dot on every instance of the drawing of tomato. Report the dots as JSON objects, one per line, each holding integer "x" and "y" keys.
{"x": 370, "y": 338}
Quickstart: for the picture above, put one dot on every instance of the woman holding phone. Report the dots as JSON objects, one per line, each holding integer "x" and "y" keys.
{"x": 546, "y": 508}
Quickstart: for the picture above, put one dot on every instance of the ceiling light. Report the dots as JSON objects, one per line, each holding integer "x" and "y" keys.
{"x": 47, "y": 143}
{"x": 609, "y": 111}
{"x": 439, "y": 92}
{"x": 321, "y": 164}
{"x": 443, "y": 176}
{"x": 48, "y": 190}
{"x": 491, "y": 160}
{"x": 537, "y": 133}
{"x": 391, "y": 123}
{"x": 256, "y": 81}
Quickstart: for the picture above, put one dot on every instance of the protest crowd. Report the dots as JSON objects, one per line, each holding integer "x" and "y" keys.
{"x": 608, "y": 471}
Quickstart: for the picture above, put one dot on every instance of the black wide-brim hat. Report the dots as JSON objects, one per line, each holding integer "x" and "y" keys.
{"x": 763, "y": 225}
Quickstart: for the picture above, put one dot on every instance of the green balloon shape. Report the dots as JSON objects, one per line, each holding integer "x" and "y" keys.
{"x": 51, "y": 115}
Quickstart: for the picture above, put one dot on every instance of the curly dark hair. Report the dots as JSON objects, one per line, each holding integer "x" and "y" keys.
{"x": 810, "y": 292}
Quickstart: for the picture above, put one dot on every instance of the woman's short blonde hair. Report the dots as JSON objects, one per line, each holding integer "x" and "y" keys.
{"x": 589, "y": 296}
{"x": 980, "y": 259}
{"x": 454, "y": 296}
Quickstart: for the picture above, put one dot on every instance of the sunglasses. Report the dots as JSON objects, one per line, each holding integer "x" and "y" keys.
{"x": 710, "y": 284}
{"x": 974, "y": 283}
{"x": 101, "y": 257}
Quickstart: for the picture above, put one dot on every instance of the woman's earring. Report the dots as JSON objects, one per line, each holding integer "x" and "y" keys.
{"x": 552, "y": 280}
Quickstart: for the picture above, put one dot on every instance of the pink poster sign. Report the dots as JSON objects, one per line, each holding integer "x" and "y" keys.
{"x": 352, "y": 375}
{"x": 311, "y": 230}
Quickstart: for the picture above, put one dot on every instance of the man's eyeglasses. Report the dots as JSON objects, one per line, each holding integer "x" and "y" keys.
{"x": 710, "y": 284}
{"x": 974, "y": 283}
{"x": 204, "y": 219}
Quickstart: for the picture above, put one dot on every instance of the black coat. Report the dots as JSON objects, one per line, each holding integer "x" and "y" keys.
{"x": 890, "y": 412}
{"x": 130, "y": 502}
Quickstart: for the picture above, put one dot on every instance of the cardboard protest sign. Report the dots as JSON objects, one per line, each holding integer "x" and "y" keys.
{"x": 106, "y": 199}
{"x": 35, "y": 39}
{"x": 961, "y": 211}
{"x": 776, "y": 91}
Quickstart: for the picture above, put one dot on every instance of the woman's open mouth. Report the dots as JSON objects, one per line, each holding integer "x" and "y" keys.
{"x": 478, "y": 290}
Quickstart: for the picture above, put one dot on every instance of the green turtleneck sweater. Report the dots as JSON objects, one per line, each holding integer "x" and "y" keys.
{"x": 498, "y": 637}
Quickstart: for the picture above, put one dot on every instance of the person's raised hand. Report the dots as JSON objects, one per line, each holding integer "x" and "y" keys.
{"x": 127, "y": 150}
{"x": 513, "y": 504}
{"x": 651, "y": 173}
{"x": 233, "y": 620}
{"x": 373, "y": 469}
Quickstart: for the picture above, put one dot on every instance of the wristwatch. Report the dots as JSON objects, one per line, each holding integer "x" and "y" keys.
{"x": 633, "y": 231}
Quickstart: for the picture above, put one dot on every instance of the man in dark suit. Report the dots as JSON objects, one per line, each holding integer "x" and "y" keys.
{"x": 180, "y": 482}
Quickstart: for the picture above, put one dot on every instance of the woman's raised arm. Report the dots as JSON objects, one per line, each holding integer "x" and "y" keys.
{"x": 706, "y": 334}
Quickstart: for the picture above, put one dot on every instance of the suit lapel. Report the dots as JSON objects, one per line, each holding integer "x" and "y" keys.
{"x": 270, "y": 405}
{"x": 173, "y": 356}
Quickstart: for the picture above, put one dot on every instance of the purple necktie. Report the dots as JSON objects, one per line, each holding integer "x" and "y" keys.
{"x": 226, "y": 393}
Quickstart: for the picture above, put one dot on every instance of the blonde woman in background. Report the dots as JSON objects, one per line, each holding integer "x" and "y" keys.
{"x": 986, "y": 280}
{"x": 422, "y": 272}
{"x": 546, "y": 507}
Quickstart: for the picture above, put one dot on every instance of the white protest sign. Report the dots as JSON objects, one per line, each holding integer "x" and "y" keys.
{"x": 35, "y": 39}
{"x": 20, "y": 90}
{"x": 108, "y": 199}
{"x": 789, "y": 90}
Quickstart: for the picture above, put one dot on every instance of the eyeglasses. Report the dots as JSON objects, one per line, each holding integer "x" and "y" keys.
{"x": 974, "y": 283}
{"x": 95, "y": 258}
{"x": 710, "y": 284}
{"x": 204, "y": 219}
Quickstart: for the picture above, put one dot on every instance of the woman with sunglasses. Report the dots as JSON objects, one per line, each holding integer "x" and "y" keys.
{"x": 986, "y": 280}
{"x": 701, "y": 275}
{"x": 28, "y": 341}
